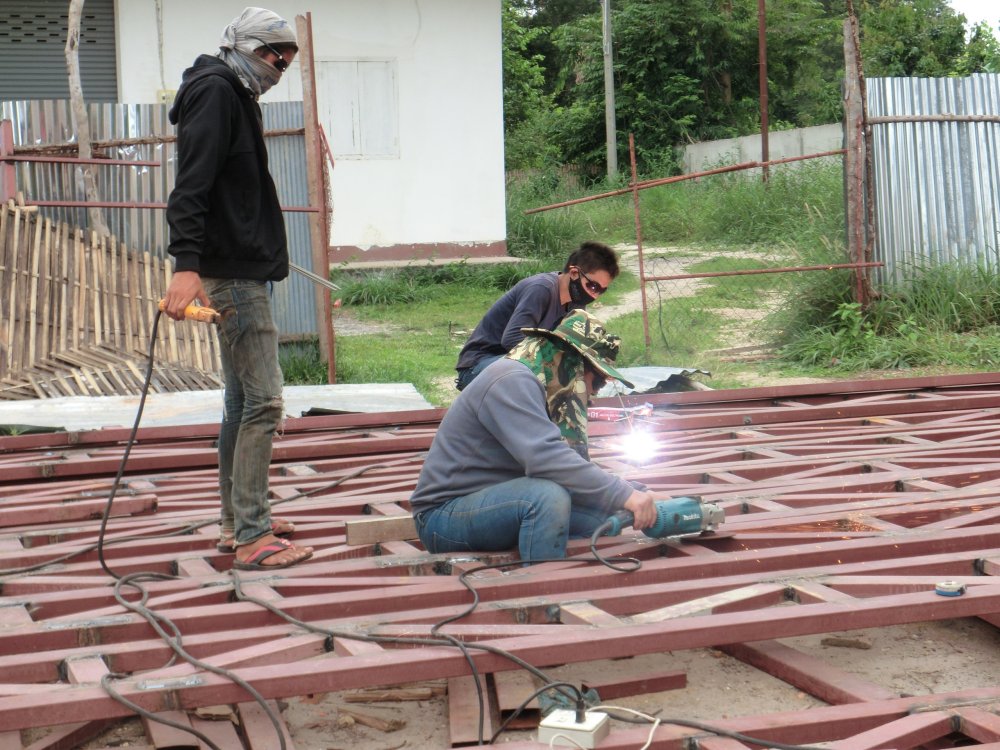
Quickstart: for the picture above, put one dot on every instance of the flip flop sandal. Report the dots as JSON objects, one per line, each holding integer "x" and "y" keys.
{"x": 254, "y": 561}
{"x": 279, "y": 527}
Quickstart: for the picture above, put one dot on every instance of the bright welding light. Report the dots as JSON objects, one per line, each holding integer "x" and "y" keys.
{"x": 638, "y": 446}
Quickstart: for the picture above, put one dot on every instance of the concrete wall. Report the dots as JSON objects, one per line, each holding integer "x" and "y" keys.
{"x": 710, "y": 154}
{"x": 441, "y": 190}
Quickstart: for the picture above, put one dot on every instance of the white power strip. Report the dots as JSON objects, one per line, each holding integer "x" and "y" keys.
{"x": 562, "y": 723}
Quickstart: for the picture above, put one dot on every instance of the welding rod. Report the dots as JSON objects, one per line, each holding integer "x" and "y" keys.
{"x": 314, "y": 277}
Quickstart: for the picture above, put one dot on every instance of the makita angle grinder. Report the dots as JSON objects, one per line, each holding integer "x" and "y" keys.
{"x": 675, "y": 516}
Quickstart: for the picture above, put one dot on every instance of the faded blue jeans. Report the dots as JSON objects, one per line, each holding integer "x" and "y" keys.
{"x": 534, "y": 515}
{"x": 252, "y": 404}
{"x": 467, "y": 374}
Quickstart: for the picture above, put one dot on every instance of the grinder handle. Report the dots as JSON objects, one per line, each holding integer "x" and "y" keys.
{"x": 195, "y": 312}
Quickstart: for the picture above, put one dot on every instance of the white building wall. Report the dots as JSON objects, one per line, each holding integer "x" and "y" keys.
{"x": 442, "y": 190}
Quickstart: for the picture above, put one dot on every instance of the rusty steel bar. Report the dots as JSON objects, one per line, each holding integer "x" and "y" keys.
{"x": 753, "y": 271}
{"x": 690, "y": 176}
{"x": 71, "y": 160}
{"x": 127, "y": 204}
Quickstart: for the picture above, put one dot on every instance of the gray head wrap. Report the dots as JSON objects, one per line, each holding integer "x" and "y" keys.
{"x": 254, "y": 28}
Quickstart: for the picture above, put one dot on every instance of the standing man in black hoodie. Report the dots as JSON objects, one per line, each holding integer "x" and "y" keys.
{"x": 227, "y": 237}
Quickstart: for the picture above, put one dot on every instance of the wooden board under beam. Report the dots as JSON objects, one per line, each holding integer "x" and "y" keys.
{"x": 386, "y": 529}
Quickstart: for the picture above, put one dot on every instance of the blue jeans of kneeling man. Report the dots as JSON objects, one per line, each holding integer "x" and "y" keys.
{"x": 534, "y": 515}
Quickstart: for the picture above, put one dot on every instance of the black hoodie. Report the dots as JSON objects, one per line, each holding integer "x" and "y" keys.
{"x": 225, "y": 220}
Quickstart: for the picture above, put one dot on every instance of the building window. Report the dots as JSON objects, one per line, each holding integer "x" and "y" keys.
{"x": 358, "y": 107}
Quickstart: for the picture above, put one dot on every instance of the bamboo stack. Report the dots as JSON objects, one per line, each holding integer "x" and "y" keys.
{"x": 77, "y": 315}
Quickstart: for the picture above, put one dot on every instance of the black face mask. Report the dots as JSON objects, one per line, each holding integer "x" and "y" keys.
{"x": 578, "y": 295}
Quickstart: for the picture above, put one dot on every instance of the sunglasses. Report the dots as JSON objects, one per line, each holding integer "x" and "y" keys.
{"x": 592, "y": 286}
{"x": 281, "y": 63}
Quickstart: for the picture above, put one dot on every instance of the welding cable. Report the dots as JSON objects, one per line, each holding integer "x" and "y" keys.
{"x": 192, "y": 527}
{"x": 106, "y": 683}
{"x": 439, "y": 640}
{"x": 128, "y": 448}
{"x": 155, "y": 620}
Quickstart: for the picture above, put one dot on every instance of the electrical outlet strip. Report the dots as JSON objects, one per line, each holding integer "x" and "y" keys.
{"x": 562, "y": 723}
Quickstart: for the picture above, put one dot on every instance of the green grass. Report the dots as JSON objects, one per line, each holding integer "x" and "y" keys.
{"x": 946, "y": 316}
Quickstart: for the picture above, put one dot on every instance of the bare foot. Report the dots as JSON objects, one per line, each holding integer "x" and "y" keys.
{"x": 270, "y": 552}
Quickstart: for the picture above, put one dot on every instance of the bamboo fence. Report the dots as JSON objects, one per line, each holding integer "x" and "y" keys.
{"x": 77, "y": 314}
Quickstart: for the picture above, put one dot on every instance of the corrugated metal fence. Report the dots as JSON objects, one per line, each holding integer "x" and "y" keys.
{"x": 936, "y": 152}
{"x": 145, "y": 229}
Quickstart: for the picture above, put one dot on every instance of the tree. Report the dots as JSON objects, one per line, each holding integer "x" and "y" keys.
{"x": 982, "y": 53}
{"x": 523, "y": 75}
{"x": 81, "y": 121}
{"x": 923, "y": 38}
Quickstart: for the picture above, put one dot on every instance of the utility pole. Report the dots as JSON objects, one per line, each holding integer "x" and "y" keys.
{"x": 610, "y": 127}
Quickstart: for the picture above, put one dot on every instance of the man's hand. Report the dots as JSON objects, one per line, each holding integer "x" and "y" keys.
{"x": 185, "y": 287}
{"x": 642, "y": 507}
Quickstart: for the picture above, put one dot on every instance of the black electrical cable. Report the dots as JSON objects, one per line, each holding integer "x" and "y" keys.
{"x": 633, "y": 563}
{"x": 192, "y": 527}
{"x": 580, "y": 707}
{"x": 438, "y": 640}
{"x": 155, "y": 620}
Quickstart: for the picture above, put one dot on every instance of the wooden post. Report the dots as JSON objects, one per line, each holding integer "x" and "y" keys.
{"x": 8, "y": 175}
{"x": 854, "y": 159}
{"x": 316, "y": 173}
{"x": 610, "y": 127}
{"x": 765, "y": 125}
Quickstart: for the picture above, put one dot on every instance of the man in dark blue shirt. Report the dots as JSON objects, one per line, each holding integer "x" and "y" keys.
{"x": 539, "y": 301}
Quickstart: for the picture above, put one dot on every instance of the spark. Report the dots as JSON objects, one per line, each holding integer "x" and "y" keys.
{"x": 638, "y": 447}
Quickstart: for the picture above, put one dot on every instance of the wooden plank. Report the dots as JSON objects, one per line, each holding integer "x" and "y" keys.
{"x": 47, "y": 291}
{"x": 13, "y": 364}
{"x": 463, "y": 711}
{"x": 222, "y": 733}
{"x": 166, "y": 736}
{"x": 512, "y": 690}
{"x": 84, "y": 670}
{"x": 713, "y": 603}
{"x": 373, "y": 530}
{"x": 96, "y": 283}
{"x": 258, "y": 729}
{"x": 133, "y": 290}
{"x": 64, "y": 254}
{"x": 587, "y": 613}
{"x": 71, "y": 736}
{"x": 13, "y": 615}
{"x": 34, "y": 279}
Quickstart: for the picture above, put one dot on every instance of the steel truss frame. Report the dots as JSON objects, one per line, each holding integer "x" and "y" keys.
{"x": 845, "y": 505}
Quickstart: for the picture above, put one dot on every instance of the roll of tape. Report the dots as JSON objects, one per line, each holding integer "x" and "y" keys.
{"x": 949, "y": 588}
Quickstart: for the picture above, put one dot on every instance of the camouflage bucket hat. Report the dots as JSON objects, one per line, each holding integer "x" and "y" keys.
{"x": 586, "y": 334}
